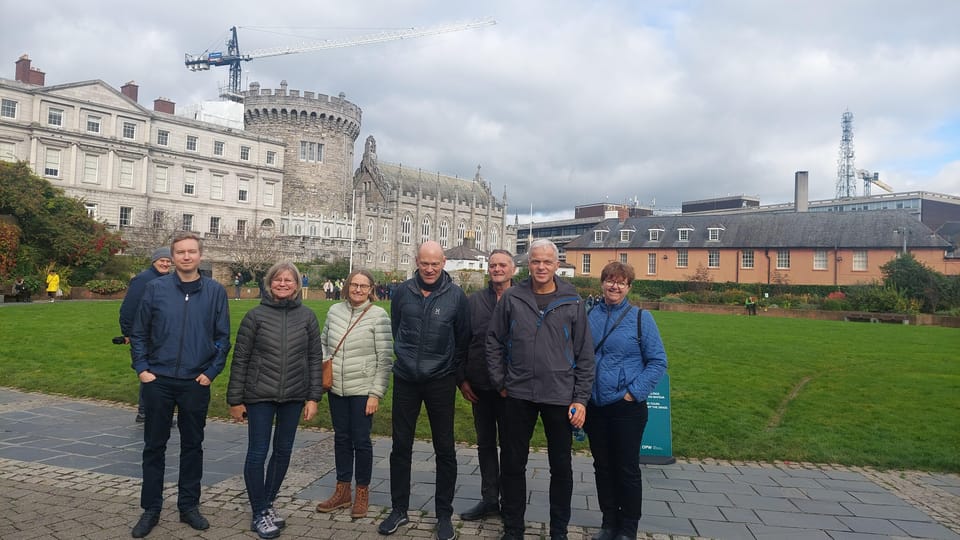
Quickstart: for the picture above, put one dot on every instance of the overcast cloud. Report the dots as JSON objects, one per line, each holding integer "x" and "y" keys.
{"x": 564, "y": 102}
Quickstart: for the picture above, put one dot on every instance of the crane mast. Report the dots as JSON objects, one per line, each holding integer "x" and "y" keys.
{"x": 233, "y": 57}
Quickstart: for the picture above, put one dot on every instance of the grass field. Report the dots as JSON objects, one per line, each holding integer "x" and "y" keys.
{"x": 750, "y": 388}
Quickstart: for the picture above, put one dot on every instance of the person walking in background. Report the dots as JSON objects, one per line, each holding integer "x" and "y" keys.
{"x": 179, "y": 344}
{"x": 276, "y": 375}
{"x": 630, "y": 361}
{"x": 485, "y": 400}
{"x": 237, "y": 285}
{"x": 21, "y": 291}
{"x": 357, "y": 338}
{"x": 540, "y": 357}
{"x": 160, "y": 264}
{"x": 305, "y": 287}
{"x": 430, "y": 321}
{"x": 328, "y": 289}
{"x": 53, "y": 284}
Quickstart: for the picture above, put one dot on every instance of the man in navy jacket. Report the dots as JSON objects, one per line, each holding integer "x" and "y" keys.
{"x": 179, "y": 343}
{"x": 160, "y": 264}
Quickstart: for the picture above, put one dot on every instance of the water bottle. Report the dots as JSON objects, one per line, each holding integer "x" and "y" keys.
{"x": 579, "y": 434}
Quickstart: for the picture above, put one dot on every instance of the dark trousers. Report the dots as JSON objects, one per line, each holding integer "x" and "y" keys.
{"x": 487, "y": 420}
{"x": 262, "y": 488}
{"x": 519, "y": 420}
{"x": 160, "y": 397}
{"x": 615, "y": 432}
{"x": 439, "y": 396}
{"x": 353, "y": 449}
{"x": 141, "y": 409}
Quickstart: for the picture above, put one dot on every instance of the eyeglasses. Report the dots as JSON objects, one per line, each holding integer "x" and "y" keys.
{"x": 360, "y": 286}
{"x": 616, "y": 284}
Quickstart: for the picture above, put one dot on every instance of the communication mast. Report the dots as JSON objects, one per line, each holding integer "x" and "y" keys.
{"x": 846, "y": 172}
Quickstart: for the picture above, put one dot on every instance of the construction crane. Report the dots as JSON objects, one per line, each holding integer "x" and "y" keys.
{"x": 233, "y": 57}
{"x": 874, "y": 179}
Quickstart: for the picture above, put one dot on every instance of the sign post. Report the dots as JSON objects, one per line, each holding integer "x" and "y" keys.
{"x": 656, "y": 447}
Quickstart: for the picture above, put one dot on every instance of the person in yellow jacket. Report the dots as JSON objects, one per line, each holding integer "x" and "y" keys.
{"x": 53, "y": 284}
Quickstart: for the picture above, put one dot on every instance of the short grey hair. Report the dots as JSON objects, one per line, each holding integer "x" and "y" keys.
{"x": 276, "y": 269}
{"x": 542, "y": 243}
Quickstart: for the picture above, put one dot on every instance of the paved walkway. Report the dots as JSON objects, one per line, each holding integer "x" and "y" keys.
{"x": 70, "y": 469}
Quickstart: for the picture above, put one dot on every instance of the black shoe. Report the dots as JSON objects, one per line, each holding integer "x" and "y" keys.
{"x": 194, "y": 519}
{"x": 141, "y": 418}
{"x": 394, "y": 521}
{"x": 480, "y": 510}
{"x": 445, "y": 530}
{"x": 148, "y": 520}
{"x": 605, "y": 534}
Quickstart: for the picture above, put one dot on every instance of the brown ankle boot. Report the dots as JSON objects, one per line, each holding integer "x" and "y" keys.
{"x": 361, "y": 502}
{"x": 339, "y": 499}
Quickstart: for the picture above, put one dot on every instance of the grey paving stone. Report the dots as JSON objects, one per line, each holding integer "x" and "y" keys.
{"x": 721, "y": 529}
{"x": 764, "y": 532}
{"x": 871, "y": 525}
{"x": 712, "y": 499}
{"x": 740, "y": 515}
{"x": 908, "y": 513}
{"x": 800, "y": 520}
{"x": 791, "y": 481}
{"x": 781, "y": 492}
{"x": 697, "y": 475}
{"x": 656, "y": 508}
{"x": 695, "y": 511}
{"x": 663, "y": 494}
{"x": 667, "y": 525}
{"x": 824, "y": 494}
{"x": 668, "y": 483}
{"x": 805, "y": 473}
{"x": 755, "y": 480}
{"x": 851, "y": 485}
{"x": 874, "y": 497}
{"x": 722, "y": 469}
{"x": 927, "y": 529}
{"x": 846, "y": 535}
{"x": 820, "y": 507}
{"x": 756, "y": 502}
{"x": 846, "y": 475}
{"x": 729, "y": 489}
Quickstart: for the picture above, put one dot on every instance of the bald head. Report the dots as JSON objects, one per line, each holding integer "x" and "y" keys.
{"x": 430, "y": 261}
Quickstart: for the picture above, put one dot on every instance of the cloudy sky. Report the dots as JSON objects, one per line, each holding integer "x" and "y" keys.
{"x": 564, "y": 102}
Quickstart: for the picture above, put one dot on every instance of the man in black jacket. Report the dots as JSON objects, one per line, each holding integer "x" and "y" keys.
{"x": 486, "y": 401}
{"x": 160, "y": 264}
{"x": 431, "y": 333}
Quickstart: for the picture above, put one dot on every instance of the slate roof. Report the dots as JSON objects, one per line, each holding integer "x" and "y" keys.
{"x": 434, "y": 183}
{"x": 853, "y": 230}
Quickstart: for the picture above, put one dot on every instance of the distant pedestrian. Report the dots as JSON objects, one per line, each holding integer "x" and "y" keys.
{"x": 305, "y": 287}
{"x": 237, "y": 285}
{"x": 53, "y": 284}
{"x": 21, "y": 291}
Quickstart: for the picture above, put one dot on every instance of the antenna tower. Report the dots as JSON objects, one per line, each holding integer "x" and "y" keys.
{"x": 846, "y": 172}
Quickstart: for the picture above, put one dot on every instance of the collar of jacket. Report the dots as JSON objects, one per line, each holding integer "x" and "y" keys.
{"x": 180, "y": 282}
{"x": 445, "y": 280}
{"x": 604, "y": 306}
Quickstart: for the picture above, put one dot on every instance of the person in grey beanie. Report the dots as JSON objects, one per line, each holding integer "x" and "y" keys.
{"x": 160, "y": 265}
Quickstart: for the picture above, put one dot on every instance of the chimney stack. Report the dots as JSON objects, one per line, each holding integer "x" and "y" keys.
{"x": 801, "y": 190}
{"x": 26, "y": 74}
{"x": 164, "y": 105}
{"x": 130, "y": 90}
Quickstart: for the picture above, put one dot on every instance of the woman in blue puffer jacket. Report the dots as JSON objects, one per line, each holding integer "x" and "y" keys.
{"x": 630, "y": 360}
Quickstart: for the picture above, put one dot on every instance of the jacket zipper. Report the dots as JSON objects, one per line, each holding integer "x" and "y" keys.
{"x": 183, "y": 327}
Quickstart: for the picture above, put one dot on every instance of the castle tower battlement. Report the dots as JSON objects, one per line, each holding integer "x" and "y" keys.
{"x": 320, "y": 132}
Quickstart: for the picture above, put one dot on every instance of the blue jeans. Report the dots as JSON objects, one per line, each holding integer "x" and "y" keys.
{"x": 615, "y": 432}
{"x": 351, "y": 438}
{"x": 439, "y": 396}
{"x": 192, "y": 400}
{"x": 262, "y": 490}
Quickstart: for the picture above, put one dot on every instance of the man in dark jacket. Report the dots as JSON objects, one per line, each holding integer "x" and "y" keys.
{"x": 431, "y": 333}
{"x": 540, "y": 357}
{"x": 180, "y": 340}
{"x": 160, "y": 264}
{"x": 486, "y": 401}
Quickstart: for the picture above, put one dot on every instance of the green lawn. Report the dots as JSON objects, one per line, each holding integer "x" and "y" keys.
{"x": 744, "y": 388}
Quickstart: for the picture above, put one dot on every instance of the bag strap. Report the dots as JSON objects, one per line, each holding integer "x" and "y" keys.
{"x": 612, "y": 328}
{"x": 364, "y": 312}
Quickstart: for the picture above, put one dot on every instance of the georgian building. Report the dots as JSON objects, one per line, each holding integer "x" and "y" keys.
{"x": 799, "y": 248}
{"x": 136, "y": 169}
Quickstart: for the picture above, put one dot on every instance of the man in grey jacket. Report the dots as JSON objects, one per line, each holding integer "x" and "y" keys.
{"x": 540, "y": 358}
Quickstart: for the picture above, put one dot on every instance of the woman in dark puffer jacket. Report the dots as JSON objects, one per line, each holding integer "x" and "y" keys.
{"x": 276, "y": 374}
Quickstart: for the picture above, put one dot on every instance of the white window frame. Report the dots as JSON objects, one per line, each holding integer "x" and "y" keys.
{"x": 625, "y": 236}
{"x": 190, "y": 183}
{"x": 461, "y": 232}
{"x": 713, "y": 234}
{"x": 51, "y": 163}
{"x": 651, "y": 264}
{"x": 91, "y": 168}
{"x": 214, "y": 228}
{"x": 269, "y": 193}
{"x": 161, "y": 179}
{"x": 371, "y": 229}
{"x": 243, "y": 190}
{"x": 216, "y": 186}
{"x": 94, "y": 123}
{"x": 55, "y": 116}
{"x": 193, "y": 142}
{"x": 186, "y": 222}
{"x": 683, "y": 258}
{"x": 600, "y": 236}
{"x": 683, "y": 235}
{"x": 820, "y": 259}
{"x": 126, "y": 173}
{"x": 478, "y": 237}
{"x": 9, "y": 108}
{"x": 129, "y": 217}
{"x": 311, "y": 152}
{"x": 860, "y": 261}
{"x": 425, "y": 229}
{"x": 163, "y": 137}
{"x": 585, "y": 263}
{"x": 8, "y": 151}
{"x": 713, "y": 258}
{"x": 384, "y": 232}
{"x": 129, "y": 130}
{"x": 242, "y": 228}
{"x": 747, "y": 259}
{"x": 244, "y": 153}
{"x": 783, "y": 259}
{"x": 654, "y": 234}
{"x": 271, "y": 157}
{"x": 494, "y": 237}
{"x": 406, "y": 224}
{"x": 218, "y": 147}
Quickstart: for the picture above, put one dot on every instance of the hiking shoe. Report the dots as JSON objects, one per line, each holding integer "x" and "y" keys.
{"x": 141, "y": 418}
{"x": 146, "y": 524}
{"x": 264, "y": 526}
{"x": 194, "y": 519}
{"x": 276, "y": 518}
{"x": 445, "y": 530}
{"x": 394, "y": 521}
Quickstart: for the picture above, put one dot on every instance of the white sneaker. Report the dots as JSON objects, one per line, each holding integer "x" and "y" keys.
{"x": 264, "y": 527}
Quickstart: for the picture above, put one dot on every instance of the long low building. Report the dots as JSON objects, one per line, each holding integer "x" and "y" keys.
{"x": 801, "y": 248}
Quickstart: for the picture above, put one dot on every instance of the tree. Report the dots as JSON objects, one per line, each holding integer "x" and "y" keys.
{"x": 915, "y": 280}
{"x": 9, "y": 242}
{"x": 54, "y": 228}
{"x": 255, "y": 252}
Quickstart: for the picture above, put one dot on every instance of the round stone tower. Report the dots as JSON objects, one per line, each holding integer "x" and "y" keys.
{"x": 320, "y": 132}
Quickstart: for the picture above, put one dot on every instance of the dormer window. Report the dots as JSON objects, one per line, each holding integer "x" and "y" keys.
{"x": 600, "y": 236}
{"x": 714, "y": 233}
{"x": 683, "y": 234}
{"x": 655, "y": 234}
{"x": 625, "y": 236}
